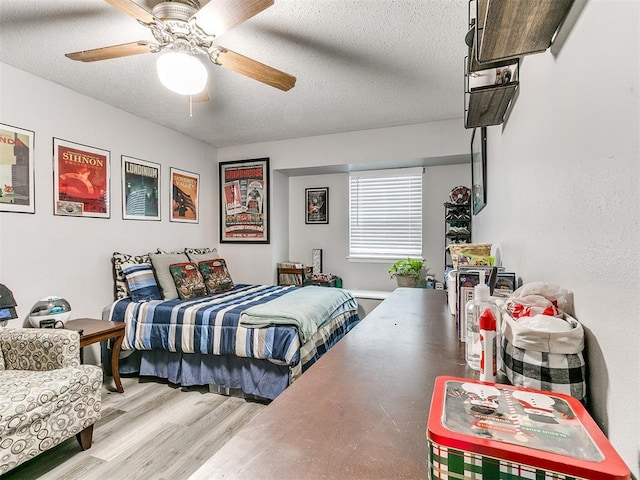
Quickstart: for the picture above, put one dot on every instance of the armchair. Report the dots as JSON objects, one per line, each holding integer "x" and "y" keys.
{"x": 46, "y": 395}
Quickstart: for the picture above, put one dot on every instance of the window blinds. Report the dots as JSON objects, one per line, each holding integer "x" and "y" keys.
{"x": 385, "y": 213}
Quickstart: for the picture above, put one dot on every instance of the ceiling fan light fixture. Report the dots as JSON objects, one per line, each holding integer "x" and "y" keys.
{"x": 182, "y": 73}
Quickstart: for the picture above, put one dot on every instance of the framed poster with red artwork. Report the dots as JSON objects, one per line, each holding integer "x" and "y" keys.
{"x": 185, "y": 189}
{"x": 244, "y": 201}
{"x": 81, "y": 176}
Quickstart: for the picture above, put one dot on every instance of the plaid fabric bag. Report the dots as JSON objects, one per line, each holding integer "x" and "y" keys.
{"x": 545, "y": 360}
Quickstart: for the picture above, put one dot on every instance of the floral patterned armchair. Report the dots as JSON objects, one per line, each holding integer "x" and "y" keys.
{"x": 46, "y": 395}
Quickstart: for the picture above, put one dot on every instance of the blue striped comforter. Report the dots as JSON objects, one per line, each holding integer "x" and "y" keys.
{"x": 209, "y": 325}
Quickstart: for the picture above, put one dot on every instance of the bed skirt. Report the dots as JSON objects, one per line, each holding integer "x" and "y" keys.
{"x": 229, "y": 374}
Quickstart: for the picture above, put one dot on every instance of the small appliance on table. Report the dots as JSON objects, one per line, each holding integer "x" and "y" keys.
{"x": 489, "y": 431}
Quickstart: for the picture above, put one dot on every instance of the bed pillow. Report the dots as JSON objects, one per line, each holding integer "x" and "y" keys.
{"x": 161, "y": 264}
{"x": 197, "y": 255}
{"x": 199, "y": 251}
{"x": 188, "y": 280}
{"x": 164, "y": 252}
{"x": 120, "y": 286}
{"x": 216, "y": 275}
{"x": 141, "y": 281}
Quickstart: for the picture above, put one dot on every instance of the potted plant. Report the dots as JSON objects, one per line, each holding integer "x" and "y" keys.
{"x": 407, "y": 272}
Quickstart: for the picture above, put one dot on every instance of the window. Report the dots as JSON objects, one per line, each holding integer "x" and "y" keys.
{"x": 385, "y": 214}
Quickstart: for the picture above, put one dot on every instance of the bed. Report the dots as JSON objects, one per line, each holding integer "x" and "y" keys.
{"x": 253, "y": 340}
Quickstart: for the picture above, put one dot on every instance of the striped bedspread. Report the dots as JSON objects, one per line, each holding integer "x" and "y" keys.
{"x": 209, "y": 325}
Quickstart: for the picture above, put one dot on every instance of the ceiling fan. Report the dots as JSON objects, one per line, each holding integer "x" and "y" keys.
{"x": 182, "y": 27}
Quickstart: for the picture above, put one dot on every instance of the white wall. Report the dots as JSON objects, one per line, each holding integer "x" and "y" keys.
{"x": 364, "y": 148}
{"x": 425, "y": 140}
{"x": 334, "y": 237}
{"x": 564, "y": 196}
{"x": 43, "y": 254}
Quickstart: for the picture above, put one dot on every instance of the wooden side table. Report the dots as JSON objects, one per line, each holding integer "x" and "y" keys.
{"x": 92, "y": 331}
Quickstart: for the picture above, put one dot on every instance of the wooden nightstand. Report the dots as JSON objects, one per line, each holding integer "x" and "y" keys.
{"x": 92, "y": 331}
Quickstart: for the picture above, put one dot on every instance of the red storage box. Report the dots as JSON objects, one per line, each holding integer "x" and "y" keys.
{"x": 490, "y": 431}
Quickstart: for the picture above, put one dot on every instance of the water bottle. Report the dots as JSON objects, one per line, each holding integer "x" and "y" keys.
{"x": 474, "y": 309}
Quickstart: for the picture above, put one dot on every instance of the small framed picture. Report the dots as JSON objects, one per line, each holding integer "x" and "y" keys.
{"x": 316, "y": 261}
{"x": 185, "y": 189}
{"x": 317, "y": 209}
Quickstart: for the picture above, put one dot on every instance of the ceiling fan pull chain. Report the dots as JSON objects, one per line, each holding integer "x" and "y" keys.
{"x": 190, "y": 106}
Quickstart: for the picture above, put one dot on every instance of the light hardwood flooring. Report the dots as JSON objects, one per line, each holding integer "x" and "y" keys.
{"x": 152, "y": 431}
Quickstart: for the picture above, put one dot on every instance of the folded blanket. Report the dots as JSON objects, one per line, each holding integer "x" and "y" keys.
{"x": 306, "y": 308}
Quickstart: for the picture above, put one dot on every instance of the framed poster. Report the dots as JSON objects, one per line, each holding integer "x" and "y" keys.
{"x": 478, "y": 169}
{"x": 81, "y": 176}
{"x": 244, "y": 201}
{"x": 16, "y": 170}
{"x": 317, "y": 205}
{"x": 140, "y": 189}
{"x": 185, "y": 189}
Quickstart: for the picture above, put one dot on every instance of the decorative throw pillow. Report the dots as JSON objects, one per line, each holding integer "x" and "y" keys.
{"x": 188, "y": 281}
{"x": 161, "y": 264}
{"x": 216, "y": 275}
{"x": 141, "y": 281}
{"x": 120, "y": 286}
{"x": 197, "y": 255}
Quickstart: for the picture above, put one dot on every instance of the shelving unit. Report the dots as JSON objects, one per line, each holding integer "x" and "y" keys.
{"x": 290, "y": 273}
{"x": 457, "y": 220}
{"x": 508, "y": 29}
{"x": 500, "y": 32}
{"x": 487, "y": 105}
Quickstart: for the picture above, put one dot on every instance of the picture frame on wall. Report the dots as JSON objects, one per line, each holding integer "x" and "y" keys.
{"x": 478, "y": 169}
{"x": 317, "y": 205}
{"x": 17, "y": 186}
{"x": 185, "y": 192}
{"x": 140, "y": 189}
{"x": 244, "y": 201}
{"x": 81, "y": 180}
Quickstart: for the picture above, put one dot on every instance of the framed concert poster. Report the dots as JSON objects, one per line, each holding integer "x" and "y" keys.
{"x": 140, "y": 189}
{"x": 16, "y": 170}
{"x": 185, "y": 189}
{"x": 81, "y": 180}
{"x": 317, "y": 205}
{"x": 244, "y": 201}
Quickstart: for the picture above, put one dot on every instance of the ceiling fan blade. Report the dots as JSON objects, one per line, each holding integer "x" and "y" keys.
{"x": 254, "y": 69}
{"x": 114, "y": 51}
{"x": 131, "y": 8}
{"x": 218, "y": 16}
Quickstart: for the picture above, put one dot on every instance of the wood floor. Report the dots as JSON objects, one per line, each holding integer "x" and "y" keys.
{"x": 152, "y": 431}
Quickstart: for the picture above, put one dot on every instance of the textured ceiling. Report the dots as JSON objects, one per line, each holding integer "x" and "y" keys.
{"x": 359, "y": 64}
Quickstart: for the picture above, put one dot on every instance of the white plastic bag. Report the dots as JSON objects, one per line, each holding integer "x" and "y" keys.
{"x": 540, "y": 298}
